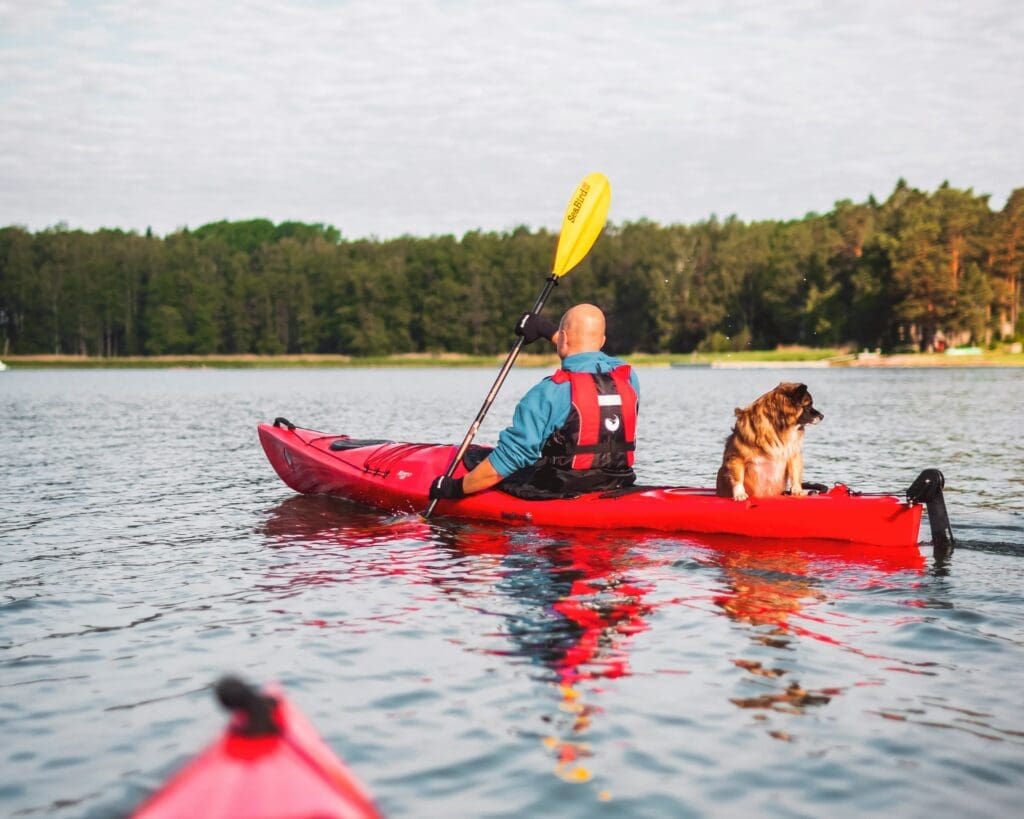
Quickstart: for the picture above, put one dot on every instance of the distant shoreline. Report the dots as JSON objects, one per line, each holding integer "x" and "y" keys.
{"x": 745, "y": 360}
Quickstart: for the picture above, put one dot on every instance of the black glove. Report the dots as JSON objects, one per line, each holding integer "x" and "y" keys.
{"x": 445, "y": 488}
{"x": 532, "y": 326}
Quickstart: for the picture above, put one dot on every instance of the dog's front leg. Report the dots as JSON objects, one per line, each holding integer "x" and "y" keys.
{"x": 735, "y": 473}
{"x": 795, "y": 473}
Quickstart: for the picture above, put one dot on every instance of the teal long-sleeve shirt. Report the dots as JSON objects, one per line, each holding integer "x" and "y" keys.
{"x": 544, "y": 409}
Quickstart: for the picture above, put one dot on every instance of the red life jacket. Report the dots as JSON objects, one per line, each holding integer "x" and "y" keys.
{"x": 600, "y": 432}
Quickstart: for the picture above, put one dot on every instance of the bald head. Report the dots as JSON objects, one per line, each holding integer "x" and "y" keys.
{"x": 581, "y": 330}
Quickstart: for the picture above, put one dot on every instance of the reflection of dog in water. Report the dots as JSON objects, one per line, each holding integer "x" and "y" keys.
{"x": 764, "y": 453}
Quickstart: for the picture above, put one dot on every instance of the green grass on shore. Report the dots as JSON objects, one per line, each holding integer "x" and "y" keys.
{"x": 244, "y": 361}
{"x": 796, "y": 355}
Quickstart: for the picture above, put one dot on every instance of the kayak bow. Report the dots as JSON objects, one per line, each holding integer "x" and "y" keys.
{"x": 269, "y": 762}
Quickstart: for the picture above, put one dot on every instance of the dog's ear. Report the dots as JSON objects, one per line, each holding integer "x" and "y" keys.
{"x": 799, "y": 392}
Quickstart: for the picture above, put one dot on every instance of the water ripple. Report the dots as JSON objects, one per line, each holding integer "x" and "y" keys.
{"x": 472, "y": 670}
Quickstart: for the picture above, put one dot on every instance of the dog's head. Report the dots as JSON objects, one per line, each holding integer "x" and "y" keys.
{"x": 796, "y": 404}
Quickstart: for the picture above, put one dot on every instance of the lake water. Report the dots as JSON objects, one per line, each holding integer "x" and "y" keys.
{"x": 148, "y": 547}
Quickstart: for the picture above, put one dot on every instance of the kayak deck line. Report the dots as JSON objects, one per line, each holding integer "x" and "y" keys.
{"x": 395, "y": 477}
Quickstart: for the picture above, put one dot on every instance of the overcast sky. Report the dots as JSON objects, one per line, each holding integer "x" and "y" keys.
{"x": 441, "y": 116}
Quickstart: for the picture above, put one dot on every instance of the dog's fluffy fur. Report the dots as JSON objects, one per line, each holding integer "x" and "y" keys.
{"x": 764, "y": 453}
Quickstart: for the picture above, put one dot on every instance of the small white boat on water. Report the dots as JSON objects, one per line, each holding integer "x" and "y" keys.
{"x": 2, "y": 366}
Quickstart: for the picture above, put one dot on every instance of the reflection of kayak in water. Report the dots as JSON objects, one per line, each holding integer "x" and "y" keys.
{"x": 578, "y": 575}
{"x": 773, "y": 583}
{"x": 573, "y": 603}
{"x": 395, "y": 477}
{"x": 269, "y": 762}
{"x": 569, "y": 601}
{"x": 594, "y": 582}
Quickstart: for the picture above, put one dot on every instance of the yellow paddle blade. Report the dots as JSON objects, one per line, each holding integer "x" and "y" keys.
{"x": 584, "y": 218}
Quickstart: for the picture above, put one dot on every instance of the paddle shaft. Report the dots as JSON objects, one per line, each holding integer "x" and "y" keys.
{"x": 502, "y": 374}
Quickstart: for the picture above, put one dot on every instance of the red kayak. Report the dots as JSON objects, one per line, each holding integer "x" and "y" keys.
{"x": 269, "y": 763}
{"x": 395, "y": 477}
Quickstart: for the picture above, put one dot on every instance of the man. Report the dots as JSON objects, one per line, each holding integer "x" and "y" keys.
{"x": 573, "y": 432}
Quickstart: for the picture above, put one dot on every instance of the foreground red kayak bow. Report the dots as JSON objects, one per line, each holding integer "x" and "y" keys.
{"x": 268, "y": 764}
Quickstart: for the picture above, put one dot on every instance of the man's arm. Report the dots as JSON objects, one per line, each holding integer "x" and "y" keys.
{"x": 543, "y": 408}
{"x": 483, "y": 476}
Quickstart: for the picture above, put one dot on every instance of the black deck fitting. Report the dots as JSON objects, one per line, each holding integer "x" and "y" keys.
{"x": 240, "y": 697}
{"x": 927, "y": 489}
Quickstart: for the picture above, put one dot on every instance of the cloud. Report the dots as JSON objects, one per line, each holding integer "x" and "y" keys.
{"x": 442, "y": 115}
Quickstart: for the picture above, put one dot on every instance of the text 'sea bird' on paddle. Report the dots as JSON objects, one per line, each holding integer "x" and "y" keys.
{"x": 584, "y": 220}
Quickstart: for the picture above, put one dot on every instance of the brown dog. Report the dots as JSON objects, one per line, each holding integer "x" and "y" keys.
{"x": 764, "y": 453}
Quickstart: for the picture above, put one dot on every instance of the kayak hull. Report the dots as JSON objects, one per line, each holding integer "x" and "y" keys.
{"x": 395, "y": 477}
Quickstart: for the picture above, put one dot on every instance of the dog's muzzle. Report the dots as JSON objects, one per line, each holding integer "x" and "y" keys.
{"x": 810, "y": 416}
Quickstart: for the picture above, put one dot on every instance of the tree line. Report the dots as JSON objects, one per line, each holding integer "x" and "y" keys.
{"x": 919, "y": 270}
